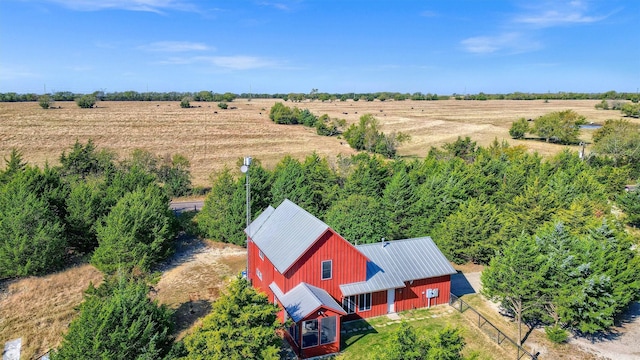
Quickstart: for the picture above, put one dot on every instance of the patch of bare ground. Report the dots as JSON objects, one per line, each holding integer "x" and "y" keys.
{"x": 212, "y": 138}
{"x": 39, "y": 309}
{"x": 621, "y": 343}
{"x": 194, "y": 276}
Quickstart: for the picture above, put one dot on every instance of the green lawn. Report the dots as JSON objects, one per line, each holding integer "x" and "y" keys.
{"x": 365, "y": 338}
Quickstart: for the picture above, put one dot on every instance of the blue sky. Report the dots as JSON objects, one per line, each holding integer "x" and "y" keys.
{"x": 431, "y": 46}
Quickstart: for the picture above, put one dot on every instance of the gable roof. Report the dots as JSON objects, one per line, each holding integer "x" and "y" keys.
{"x": 394, "y": 262}
{"x": 285, "y": 233}
{"x": 305, "y": 299}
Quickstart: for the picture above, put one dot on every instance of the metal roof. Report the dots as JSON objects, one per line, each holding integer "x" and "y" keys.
{"x": 304, "y": 299}
{"x": 394, "y": 262}
{"x": 285, "y": 233}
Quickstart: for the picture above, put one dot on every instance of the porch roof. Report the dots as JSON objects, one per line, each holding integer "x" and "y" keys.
{"x": 304, "y": 299}
{"x": 394, "y": 262}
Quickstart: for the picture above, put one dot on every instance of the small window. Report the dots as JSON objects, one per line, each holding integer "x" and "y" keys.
{"x": 349, "y": 304}
{"x": 294, "y": 332}
{"x": 310, "y": 333}
{"x": 328, "y": 330}
{"x": 326, "y": 270}
{"x": 259, "y": 274}
{"x": 364, "y": 302}
{"x": 261, "y": 254}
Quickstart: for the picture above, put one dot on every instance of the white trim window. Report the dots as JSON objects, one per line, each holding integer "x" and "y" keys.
{"x": 261, "y": 254}
{"x": 349, "y": 304}
{"x": 259, "y": 274}
{"x": 327, "y": 269}
{"x": 364, "y": 302}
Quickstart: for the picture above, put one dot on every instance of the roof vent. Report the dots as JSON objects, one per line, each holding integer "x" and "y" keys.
{"x": 384, "y": 243}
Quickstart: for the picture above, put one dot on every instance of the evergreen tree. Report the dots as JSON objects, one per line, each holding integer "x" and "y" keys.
{"x": 85, "y": 206}
{"x": 397, "y": 200}
{"x": 136, "y": 233}
{"x": 222, "y": 217}
{"x": 14, "y": 165}
{"x": 471, "y": 233}
{"x": 358, "y": 218}
{"x": 242, "y": 325}
{"x": 323, "y": 184}
{"x": 514, "y": 278}
{"x": 629, "y": 201}
{"x": 290, "y": 182}
{"x": 32, "y": 240}
{"x": 368, "y": 176}
{"x": 118, "y": 321}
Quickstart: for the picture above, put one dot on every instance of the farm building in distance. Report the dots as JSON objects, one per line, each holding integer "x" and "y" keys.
{"x": 320, "y": 280}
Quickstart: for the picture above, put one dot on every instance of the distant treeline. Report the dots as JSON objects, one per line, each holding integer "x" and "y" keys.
{"x": 315, "y": 95}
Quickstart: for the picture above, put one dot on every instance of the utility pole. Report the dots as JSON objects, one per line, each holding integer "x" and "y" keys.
{"x": 245, "y": 170}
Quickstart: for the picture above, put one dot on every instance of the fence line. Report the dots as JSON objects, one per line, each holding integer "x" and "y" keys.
{"x": 462, "y": 306}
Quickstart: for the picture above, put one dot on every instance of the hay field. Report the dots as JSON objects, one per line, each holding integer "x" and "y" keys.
{"x": 212, "y": 138}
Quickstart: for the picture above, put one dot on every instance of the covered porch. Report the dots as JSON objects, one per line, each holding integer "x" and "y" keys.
{"x": 312, "y": 318}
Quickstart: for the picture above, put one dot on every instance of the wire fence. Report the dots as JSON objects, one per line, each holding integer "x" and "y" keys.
{"x": 491, "y": 330}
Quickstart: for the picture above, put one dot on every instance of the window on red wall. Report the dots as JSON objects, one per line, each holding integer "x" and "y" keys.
{"x": 364, "y": 302}
{"x": 349, "y": 304}
{"x": 259, "y": 274}
{"x": 327, "y": 269}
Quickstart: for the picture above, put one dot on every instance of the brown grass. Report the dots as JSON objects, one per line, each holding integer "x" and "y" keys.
{"x": 212, "y": 140}
{"x": 39, "y": 309}
{"x": 194, "y": 278}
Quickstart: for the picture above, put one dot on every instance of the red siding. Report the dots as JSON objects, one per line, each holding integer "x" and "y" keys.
{"x": 264, "y": 266}
{"x": 414, "y": 295}
{"x": 349, "y": 265}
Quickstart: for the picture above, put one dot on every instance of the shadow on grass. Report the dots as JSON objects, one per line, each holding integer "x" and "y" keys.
{"x": 188, "y": 313}
{"x": 354, "y": 332}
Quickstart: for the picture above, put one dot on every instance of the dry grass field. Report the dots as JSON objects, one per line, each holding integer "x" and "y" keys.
{"x": 39, "y": 309}
{"x": 212, "y": 138}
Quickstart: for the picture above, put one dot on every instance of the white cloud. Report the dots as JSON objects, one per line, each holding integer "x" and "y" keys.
{"x": 557, "y": 13}
{"x": 513, "y": 43}
{"x": 175, "y": 46}
{"x": 156, "y": 6}
{"x": 239, "y": 62}
{"x": 429, "y": 14}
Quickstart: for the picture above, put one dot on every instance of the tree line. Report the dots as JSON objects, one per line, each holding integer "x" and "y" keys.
{"x": 206, "y": 95}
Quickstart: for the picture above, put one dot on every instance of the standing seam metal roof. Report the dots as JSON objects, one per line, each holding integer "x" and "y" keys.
{"x": 285, "y": 233}
{"x": 304, "y": 299}
{"x": 394, "y": 262}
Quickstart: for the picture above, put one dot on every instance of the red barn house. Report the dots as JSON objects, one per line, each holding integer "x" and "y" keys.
{"x": 320, "y": 280}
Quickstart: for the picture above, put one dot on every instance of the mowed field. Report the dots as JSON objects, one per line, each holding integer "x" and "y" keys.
{"x": 212, "y": 138}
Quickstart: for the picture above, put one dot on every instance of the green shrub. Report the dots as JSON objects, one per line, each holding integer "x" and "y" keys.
{"x": 222, "y": 105}
{"x": 519, "y": 128}
{"x": 556, "y": 334}
{"x": 185, "y": 103}
{"x": 45, "y": 101}
{"x": 86, "y": 101}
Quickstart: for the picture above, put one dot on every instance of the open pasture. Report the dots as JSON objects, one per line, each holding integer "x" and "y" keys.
{"x": 212, "y": 138}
